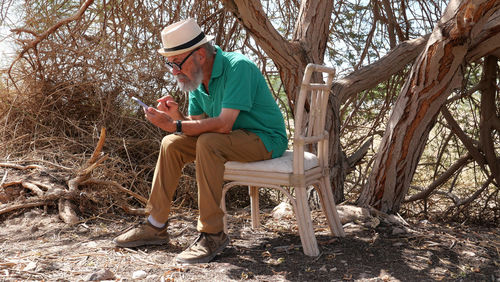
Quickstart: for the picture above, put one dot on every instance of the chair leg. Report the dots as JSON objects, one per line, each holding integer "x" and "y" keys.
{"x": 329, "y": 207}
{"x": 253, "y": 191}
{"x": 304, "y": 222}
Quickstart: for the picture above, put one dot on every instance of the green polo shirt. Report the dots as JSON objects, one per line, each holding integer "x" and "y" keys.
{"x": 237, "y": 83}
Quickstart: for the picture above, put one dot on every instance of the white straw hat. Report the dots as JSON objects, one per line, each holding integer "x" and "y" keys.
{"x": 181, "y": 37}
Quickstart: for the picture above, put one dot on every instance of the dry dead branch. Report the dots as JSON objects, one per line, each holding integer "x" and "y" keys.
{"x": 9, "y": 208}
{"x": 20, "y": 167}
{"x": 95, "y": 160}
{"x": 45, "y": 194}
{"x": 115, "y": 184}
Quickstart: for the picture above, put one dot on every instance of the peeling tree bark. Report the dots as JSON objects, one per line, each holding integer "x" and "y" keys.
{"x": 356, "y": 82}
{"x": 437, "y": 71}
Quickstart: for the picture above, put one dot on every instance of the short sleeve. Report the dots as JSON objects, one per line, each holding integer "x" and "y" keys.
{"x": 240, "y": 86}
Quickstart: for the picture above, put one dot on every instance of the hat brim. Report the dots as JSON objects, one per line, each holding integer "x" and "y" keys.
{"x": 177, "y": 52}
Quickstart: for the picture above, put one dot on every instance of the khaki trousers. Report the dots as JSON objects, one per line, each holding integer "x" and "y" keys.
{"x": 209, "y": 151}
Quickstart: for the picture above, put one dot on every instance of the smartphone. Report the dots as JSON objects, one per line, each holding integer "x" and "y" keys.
{"x": 140, "y": 103}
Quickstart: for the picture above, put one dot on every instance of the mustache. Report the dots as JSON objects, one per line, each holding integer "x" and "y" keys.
{"x": 183, "y": 76}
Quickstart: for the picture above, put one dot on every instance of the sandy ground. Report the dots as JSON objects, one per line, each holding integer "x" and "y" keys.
{"x": 36, "y": 245}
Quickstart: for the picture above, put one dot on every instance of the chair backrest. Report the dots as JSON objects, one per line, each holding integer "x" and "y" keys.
{"x": 310, "y": 126}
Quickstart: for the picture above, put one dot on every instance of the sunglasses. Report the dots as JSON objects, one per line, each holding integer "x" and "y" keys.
{"x": 178, "y": 67}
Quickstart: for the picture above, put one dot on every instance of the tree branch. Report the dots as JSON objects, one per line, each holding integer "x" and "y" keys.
{"x": 114, "y": 184}
{"x": 440, "y": 180}
{"x": 488, "y": 112}
{"x": 38, "y": 38}
{"x": 466, "y": 140}
{"x": 371, "y": 75}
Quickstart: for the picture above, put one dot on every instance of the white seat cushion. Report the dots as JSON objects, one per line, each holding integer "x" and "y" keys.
{"x": 283, "y": 164}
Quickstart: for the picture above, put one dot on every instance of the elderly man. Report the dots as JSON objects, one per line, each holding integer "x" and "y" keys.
{"x": 232, "y": 117}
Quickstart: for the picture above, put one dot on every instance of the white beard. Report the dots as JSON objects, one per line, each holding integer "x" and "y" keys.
{"x": 188, "y": 84}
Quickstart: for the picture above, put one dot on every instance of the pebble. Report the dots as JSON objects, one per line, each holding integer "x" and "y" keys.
{"x": 103, "y": 274}
{"x": 30, "y": 266}
{"x": 469, "y": 253}
{"x": 139, "y": 274}
{"x": 397, "y": 231}
{"x": 283, "y": 210}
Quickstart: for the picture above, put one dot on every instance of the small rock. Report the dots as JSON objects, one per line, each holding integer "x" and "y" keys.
{"x": 283, "y": 210}
{"x": 396, "y": 220}
{"x": 152, "y": 277}
{"x": 397, "y": 231}
{"x": 469, "y": 253}
{"x": 103, "y": 274}
{"x": 31, "y": 214}
{"x": 323, "y": 268}
{"x": 30, "y": 266}
{"x": 424, "y": 222}
{"x": 91, "y": 245}
{"x": 139, "y": 274}
{"x": 333, "y": 269}
{"x": 34, "y": 229}
{"x": 349, "y": 213}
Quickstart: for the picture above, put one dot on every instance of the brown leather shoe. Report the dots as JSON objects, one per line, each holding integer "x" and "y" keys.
{"x": 143, "y": 234}
{"x": 204, "y": 249}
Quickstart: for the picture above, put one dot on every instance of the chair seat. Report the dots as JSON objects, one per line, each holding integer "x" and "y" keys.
{"x": 293, "y": 178}
{"x": 283, "y": 164}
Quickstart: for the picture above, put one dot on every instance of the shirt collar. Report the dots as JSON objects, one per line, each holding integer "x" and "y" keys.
{"x": 218, "y": 64}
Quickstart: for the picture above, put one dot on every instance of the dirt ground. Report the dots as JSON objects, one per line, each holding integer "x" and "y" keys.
{"x": 37, "y": 245}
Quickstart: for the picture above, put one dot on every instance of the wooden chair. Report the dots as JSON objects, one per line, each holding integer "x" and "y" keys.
{"x": 296, "y": 167}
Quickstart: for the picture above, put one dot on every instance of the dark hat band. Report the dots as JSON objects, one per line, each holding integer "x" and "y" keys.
{"x": 186, "y": 45}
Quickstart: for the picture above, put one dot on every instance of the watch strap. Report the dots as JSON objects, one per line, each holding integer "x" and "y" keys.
{"x": 178, "y": 124}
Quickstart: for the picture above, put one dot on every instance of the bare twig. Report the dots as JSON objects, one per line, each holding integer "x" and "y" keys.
{"x": 133, "y": 211}
{"x": 117, "y": 186}
{"x": 38, "y": 38}
{"x": 465, "y": 202}
{"x": 441, "y": 179}
{"x": 21, "y": 167}
{"x": 10, "y": 208}
{"x": 95, "y": 160}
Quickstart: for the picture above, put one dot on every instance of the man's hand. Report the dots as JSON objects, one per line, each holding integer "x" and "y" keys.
{"x": 168, "y": 105}
{"x": 161, "y": 119}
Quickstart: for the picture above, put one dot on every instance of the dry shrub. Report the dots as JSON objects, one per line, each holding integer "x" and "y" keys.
{"x": 79, "y": 79}
{"x": 60, "y": 130}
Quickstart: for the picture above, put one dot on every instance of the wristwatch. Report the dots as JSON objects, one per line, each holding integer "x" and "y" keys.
{"x": 178, "y": 130}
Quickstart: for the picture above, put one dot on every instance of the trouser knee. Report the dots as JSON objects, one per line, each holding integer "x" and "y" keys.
{"x": 211, "y": 143}
{"x": 170, "y": 142}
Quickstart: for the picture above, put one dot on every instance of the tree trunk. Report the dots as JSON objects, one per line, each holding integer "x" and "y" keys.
{"x": 308, "y": 44}
{"x": 489, "y": 116}
{"x": 437, "y": 71}
{"x": 356, "y": 82}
